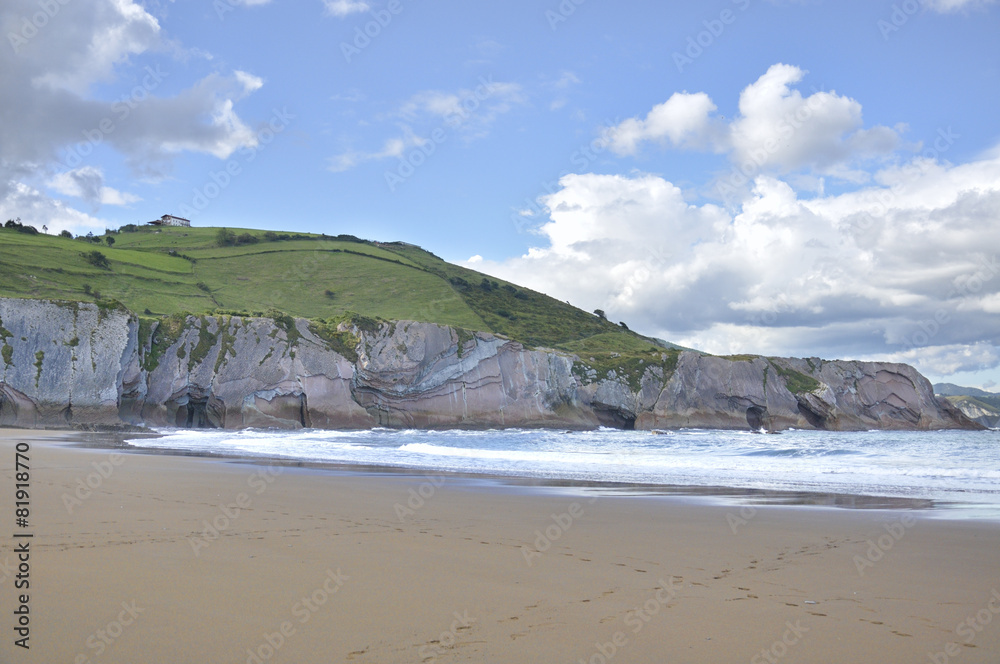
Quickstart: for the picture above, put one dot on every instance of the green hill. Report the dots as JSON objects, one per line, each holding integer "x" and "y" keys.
{"x": 952, "y": 390}
{"x": 159, "y": 272}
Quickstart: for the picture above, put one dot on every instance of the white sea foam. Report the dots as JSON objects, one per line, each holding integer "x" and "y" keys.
{"x": 952, "y": 465}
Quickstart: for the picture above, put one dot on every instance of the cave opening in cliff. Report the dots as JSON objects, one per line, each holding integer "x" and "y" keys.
{"x": 8, "y": 410}
{"x": 814, "y": 418}
{"x": 756, "y": 417}
{"x": 195, "y": 415}
{"x": 615, "y": 418}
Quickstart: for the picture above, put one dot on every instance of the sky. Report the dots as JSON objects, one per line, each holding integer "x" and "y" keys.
{"x": 811, "y": 178}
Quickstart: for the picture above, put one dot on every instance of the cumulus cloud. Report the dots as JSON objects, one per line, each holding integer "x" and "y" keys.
{"x": 905, "y": 267}
{"x": 777, "y": 129}
{"x": 681, "y": 121}
{"x": 54, "y": 123}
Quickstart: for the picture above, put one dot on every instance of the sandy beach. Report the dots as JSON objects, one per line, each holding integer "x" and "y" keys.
{"x": 154, "y": 558}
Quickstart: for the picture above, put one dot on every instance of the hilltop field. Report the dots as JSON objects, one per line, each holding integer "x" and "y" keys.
{"x": 169, "y": 271}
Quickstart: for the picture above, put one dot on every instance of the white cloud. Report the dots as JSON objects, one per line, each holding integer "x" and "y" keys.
{"x": 37, "y": 209}
{"x": 53, "y": 121}
{"x": 249, "y": 82}
{"x": 777, "y": 129}
{"x": 468, "y": 113}
{"x": 393, "y": 147}
{"x": 99, "y": 37}
{"x": 681, "y": 121}
{"x": 780, "y": 128}
{"x": 87, "y": 183}
{"x": 345, "y": 7}
{"x": 951, "y": 359}
{"x": 471, "y": 110}
{"x": 909, "y": 264}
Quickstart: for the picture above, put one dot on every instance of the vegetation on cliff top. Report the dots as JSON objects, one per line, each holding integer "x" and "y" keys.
{"x": 163, "y": 273}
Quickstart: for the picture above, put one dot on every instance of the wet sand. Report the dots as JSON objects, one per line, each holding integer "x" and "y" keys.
{"x": 155, "y": 558}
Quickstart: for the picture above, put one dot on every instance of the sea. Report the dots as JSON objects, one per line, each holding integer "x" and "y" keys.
{"x": 956, "y": 470}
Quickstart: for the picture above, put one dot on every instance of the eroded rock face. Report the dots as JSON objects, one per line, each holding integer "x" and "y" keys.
{"x": 780, "y": 393}
{"x": 76, "y": 363}
{"x": 244, "y": 372}
{"x": 422, "y": 375}
{"x": 63, "y": 362}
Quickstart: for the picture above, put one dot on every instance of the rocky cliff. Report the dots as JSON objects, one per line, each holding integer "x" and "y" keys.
{"x": 67, "y": 363}
{"x": 977, "y": 411}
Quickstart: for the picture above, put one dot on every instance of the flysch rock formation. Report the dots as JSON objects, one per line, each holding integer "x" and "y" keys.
{"x": 72, "y": 363}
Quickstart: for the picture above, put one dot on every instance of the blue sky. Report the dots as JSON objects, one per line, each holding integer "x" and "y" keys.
{"x": 640, "y": 157}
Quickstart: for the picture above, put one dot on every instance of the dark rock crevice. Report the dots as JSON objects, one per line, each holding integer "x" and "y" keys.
{"x": 615, "y": 418}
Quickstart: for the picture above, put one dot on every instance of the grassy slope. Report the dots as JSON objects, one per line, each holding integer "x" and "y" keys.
{"x": 382, "y": 280}
{"x": 290, "y": 276}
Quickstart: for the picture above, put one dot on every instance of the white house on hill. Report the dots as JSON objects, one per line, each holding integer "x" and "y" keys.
{"x": 170, "y": 220}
